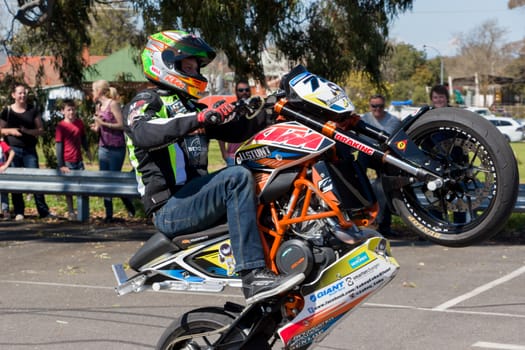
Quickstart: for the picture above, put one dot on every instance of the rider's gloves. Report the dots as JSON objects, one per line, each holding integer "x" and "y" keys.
{"x": 218, "y": 114}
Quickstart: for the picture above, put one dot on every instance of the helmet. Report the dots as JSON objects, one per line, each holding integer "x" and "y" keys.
{"x": 161, "y": 61}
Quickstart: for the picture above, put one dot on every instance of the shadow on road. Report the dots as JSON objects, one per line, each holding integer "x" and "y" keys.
{"x": 61, "y": 230}
{"x": 57, "y": 230}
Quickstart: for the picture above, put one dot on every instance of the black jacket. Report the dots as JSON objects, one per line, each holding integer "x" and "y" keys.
{"x": 155, "y": 123}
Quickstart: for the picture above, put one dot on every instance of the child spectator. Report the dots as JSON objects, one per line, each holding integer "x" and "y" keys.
{"x": 70, "y": 137}
{"x": 6, "y": 157}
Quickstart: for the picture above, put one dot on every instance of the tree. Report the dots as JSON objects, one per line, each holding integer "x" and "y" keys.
{"x": 516, "y": 69}
{"x": 63, "y": 35}
{"x": 480, "y": 51}
{"x": 402, "y": 62}
{"x": 359, "y": 87}
{"x": 110, "y": 28}
{"x": 331, "y": 37}
{"x": 341, "y": 36}
{"x": 515, "y": 3}
{"x": 409, "y": 73}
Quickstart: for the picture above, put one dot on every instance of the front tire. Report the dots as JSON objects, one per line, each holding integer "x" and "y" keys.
{"x": 204, "y": 322}
{"x": 482, "y": 179}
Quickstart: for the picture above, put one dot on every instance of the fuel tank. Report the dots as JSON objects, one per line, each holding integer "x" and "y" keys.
{"x": 273, "y": 153}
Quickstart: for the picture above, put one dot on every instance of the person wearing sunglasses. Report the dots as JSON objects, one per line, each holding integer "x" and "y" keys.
{"x": 243, "y": 92}
{"x": 381, "y": 119}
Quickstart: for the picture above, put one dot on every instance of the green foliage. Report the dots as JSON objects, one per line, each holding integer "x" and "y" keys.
{"x": 111, "y": 29}
{"x": 420, "y": 96}
{"x": 330, "y": 37}
{"x": 239, "y": 28}
{"x": 63, "y": 35}
{"x": 403, "y": 62}
{"x": 410, "y": 73}
{"x": 339, "y": 36}
{"x": 359, "y": 87}
{"x": 402, "y": 90}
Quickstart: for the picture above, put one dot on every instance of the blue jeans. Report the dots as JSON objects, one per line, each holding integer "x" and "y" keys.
{"x": 230, "y": 161}
{"x": 4, "y": 200}
{"x": 75, "y": 166}
{"x": 27, "y": 158}
{"x": 112, "y": 158}
{"x": 72, "y": 166}
{"x": 202, "y": 202}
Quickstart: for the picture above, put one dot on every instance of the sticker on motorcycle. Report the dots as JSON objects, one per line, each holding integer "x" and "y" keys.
{"x": 401, "y": 145}
{"x": 295, "y": 136}
{"x": 321, "y": 92}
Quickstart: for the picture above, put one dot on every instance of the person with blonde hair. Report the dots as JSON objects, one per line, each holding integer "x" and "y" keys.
{"x": 112, "y": 146}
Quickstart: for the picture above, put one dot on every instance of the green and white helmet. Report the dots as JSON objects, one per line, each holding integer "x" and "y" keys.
{"x": 161, "y": 61}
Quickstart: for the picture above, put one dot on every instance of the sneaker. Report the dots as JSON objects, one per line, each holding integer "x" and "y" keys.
{"x": 6, "y": 215}
{"x": 49, "y": 216}
{"x": 71, "y": 217}
{"x": 19, "y": 217}
{"x": 260, "y": 284}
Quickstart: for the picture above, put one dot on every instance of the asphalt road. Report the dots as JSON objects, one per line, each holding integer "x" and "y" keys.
{"x": 56, "y": 292}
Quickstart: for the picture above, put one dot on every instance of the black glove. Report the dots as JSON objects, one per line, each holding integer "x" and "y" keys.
{"x": 250, "y": 108}
{"x": 219, "y": 114}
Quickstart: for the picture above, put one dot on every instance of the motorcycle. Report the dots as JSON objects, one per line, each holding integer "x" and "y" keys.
{"x": 448, "y": 173}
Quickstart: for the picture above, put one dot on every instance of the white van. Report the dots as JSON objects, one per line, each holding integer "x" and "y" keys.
{"x": 59, "y": 93}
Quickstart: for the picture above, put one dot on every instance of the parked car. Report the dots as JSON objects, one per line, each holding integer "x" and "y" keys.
{"x": 510, "y": 127}
{"x": 483, "y": 111}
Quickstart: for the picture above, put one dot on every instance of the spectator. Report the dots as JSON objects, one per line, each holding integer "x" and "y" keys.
{"x": 381, "y": 119}
{"x": 439, "y": 96}
{"x": 21, "y": 124}
{"x": 70, "y": 138}
{"x": 112, "y": 148}
{"x": 6, "y": 157}
{"x": 242, "y": 91}
{"x": 114, "y": 95}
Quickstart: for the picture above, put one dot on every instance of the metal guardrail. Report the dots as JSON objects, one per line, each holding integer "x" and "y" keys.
{"x": 83, "y": 183}
{"x": 80, "y": 183}
{"x": 519, "y": 207}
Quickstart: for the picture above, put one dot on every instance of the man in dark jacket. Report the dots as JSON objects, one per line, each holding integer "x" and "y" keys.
{"x": 181, "y": 200}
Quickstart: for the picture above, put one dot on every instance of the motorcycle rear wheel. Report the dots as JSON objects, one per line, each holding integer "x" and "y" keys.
{"x": 207, "y": 326}
{"x": 481, "y": 173}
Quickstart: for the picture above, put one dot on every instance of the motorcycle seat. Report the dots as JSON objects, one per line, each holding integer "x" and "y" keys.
{"x": 185, "y": 241}
{"x": 160, "y": 244}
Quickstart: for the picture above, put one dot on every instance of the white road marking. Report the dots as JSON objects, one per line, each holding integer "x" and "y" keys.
{"x": 57, "y": 284}
{"x": 480, "y": 289}
{"x": 482, "y": 313}
{"x": 113, "y": 288}
{"x": 487, "y": 345}
{"x": 239, "y": 296}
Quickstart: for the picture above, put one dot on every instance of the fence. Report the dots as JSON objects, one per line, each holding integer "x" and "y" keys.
{"x": 80, "y": 183}
{"x": 85, "y": 184}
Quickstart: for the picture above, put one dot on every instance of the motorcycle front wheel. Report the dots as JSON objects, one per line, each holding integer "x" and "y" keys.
{"x": 481, "y": 179}
{"x": 201, "y": 329}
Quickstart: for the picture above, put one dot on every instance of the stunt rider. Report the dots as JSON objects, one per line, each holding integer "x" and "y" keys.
{"x": 180, "y": 200}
